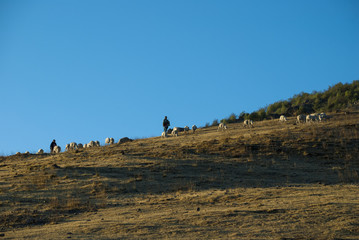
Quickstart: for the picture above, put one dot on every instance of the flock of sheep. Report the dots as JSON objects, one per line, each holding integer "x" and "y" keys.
{"x": 314, "y": 117}
{"x": 221, "y": 126}
{"x": 176, "y": 130}
{"x": 249, "y": 123}
{"x": 300, "y": 119}
{"x": 108, "y": 141}
{"x": 75, "y": 146}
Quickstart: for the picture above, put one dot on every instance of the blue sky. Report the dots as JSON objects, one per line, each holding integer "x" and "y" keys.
{"x": 88, "y": 69}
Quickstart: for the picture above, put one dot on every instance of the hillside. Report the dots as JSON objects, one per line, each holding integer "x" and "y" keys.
{"x": 273, "y": 181}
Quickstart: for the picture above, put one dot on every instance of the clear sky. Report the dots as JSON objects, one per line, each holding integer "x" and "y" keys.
{"x": 82, "y": 70}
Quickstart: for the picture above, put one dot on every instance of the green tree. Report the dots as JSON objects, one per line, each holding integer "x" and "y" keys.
{"x": 232, "y": 118}
{"x": 262, "y": 114}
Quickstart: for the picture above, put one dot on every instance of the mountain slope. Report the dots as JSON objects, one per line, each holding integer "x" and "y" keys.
{"x": 276, "y": 180}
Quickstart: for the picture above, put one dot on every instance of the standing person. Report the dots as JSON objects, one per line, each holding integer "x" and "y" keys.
{"x": 166, "y": 124}
{"x": 52, "y": 145}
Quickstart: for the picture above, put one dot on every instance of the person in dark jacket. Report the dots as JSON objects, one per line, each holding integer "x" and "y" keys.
{"x": 166, "y": 124}
{"x": 52, "y": 145}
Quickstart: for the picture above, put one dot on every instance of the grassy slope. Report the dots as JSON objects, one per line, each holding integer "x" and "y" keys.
{"x": 276, "y": 180}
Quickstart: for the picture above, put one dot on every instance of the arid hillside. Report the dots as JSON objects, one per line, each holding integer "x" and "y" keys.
{"x": 277, "y": 180}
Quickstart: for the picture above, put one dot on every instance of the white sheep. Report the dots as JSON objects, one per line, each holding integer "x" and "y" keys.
{"x": 164, "y": 134}
{"x": 40, "y": 151}
{"x": 91, "y": 144}
{"x": 175, "y": 131}
{"x": 311, "y": 117}
{"x": 57, "y": 149}
{"x": 222, "y": 126}
{"x": 301, "y": 118}
{"x": 194, "y": 127}
{"x": 248, "y": 123}
{"x": 282, "y": 118}
{"x": 109, "y": 141}
{"x": 73, "y": 146}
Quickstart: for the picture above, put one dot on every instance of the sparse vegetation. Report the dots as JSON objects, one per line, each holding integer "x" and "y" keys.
{"x": 337, "y": 97}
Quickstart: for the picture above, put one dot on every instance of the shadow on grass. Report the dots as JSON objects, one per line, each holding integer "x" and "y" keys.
{"x": 58, "y": 192}
{"x": 171, "y": 175}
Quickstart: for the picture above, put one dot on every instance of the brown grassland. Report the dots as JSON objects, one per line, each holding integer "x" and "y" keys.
{"x": 273, "y": 181}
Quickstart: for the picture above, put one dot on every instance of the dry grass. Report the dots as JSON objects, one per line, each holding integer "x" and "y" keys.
{"x": 274, "y": 181}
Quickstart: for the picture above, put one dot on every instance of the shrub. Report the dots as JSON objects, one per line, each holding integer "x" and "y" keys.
{"x": 225, "y": 121}
{"x": 336, "y": 97}
{"x": 232, "y": 118}
{"x": 215, "y": 122}
{"x": 262, "y": 114}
